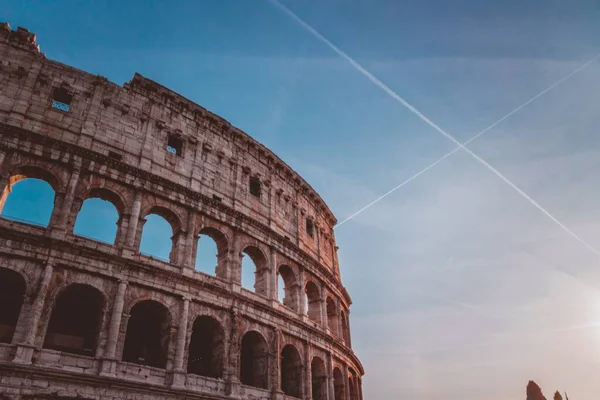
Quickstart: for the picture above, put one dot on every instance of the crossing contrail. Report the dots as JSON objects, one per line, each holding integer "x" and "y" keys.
{"x": 433, "y": 164}
{"x": 428, "y": 121}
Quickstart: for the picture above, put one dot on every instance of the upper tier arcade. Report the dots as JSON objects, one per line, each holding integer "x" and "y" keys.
{"x": 83, "y": 313}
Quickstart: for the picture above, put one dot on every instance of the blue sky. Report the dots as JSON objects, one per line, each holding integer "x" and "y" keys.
{"x": 461, "y": 287}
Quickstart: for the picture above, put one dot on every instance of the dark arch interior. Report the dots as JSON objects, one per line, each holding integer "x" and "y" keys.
{"x": 12, "y": 292}
{"x": 318, "y": 379}
{"x": 254, "y": 360}
{"x": 148, "y": 333}
{"x": 291, "y": 371}
{"x": 338, "y": 385}
{"x": 206, "y": 351}
{"x": 75, "y": 320}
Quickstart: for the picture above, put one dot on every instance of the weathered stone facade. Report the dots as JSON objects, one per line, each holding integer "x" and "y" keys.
{"x": 85, "y": 319}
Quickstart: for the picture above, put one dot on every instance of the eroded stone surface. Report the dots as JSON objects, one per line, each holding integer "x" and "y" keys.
{"x": 91, "y": 320}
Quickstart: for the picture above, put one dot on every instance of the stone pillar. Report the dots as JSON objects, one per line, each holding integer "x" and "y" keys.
{"x": 359, "y": 383}
{"x": 25, "y": 349}
{"x": 349, "y": 344}
{"x": 189, "y": 262}
{"x": 323, "y": 308}
{"x": 233, "y": 384}
{"x": 134, "y": 219}
{"x": 274, "y": 294}
{"x": 302, "y": 296}
{"x": 330, "y": 381}
{"x": 303, "y": 377}
{"x": 67, "y": 203}
{"x": 346, "y": 383}
{"x": 178, "y": 372}
{"x": 275, "y": 383}
{"x": 308, "y": 372}
{"x": 109, "y": 362}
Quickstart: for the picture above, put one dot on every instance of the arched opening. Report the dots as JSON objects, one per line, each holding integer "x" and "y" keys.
{"x": 353, "y": 384}
{"x": 157, "y": 238}
{"x": 332, "y": 316}
{"x": 210, "y": 253}
{"x": 291, "y": 371}
{"x": 98, "y": 218}
{"x": 255, "y": 272}
{"x": 344, "y": 324}
{"x": 254, "y": 360}
{"x": 338, "y": 385}
{"x": 148, "y": 333}
{"x": 28, "y": 200}
{"x": 287, "y": 287}
{"x": 12, "y": 292}
{"x": 75, "y": 320}
{"x": 206, "y": 351}
{"x": 318, "y": 379}
{"x": 313, "y": 301}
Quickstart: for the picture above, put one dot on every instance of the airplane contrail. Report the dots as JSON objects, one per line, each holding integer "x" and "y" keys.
{"x": 433, "y": 164}
{"x": 428, "y": 121}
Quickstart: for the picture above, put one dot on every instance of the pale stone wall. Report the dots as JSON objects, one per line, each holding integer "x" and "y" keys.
{"x": 112, "y": 144}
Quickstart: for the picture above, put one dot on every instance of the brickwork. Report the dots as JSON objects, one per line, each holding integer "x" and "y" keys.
{"x": 159, "y": 329}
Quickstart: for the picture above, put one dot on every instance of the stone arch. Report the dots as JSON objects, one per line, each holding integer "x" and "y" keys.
{"x": 287, "y": 277}
{"x": 254, "y": 363}
{"x": 291, "y": 371}
{"x": 339, "y": 388}
{"x": 206, "y": 351}
{"x": 173, "y": 219}
{"x": 35, "y": 172}
{"x": 313, "y": 301}
{"x": 106, "y": 195}
{"x": 332, "y": 316}
{"x": 13, "y": 289}
{"x": 148, "y": 334}
{"x": 261, "y": 265}
{"x": 222, "y": 244}
{"x": 76, "y": 319}
{"x": 318, "y": 378}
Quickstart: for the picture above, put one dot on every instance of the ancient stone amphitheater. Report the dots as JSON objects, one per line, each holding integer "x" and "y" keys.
{"x": 84, "y": 319}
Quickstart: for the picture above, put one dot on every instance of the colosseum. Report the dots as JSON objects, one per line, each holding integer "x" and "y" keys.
{"x": 85, "y": 319}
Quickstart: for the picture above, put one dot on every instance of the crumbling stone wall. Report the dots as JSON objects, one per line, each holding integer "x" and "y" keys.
{"x": 148, "y": 150}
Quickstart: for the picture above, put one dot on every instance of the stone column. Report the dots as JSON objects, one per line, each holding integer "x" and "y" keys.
{"x": 134, "y": 219}
{"x": 302, "y": 296}
{"x": 324, "y": 308}
{"x": 275, "y": 374}
{"x": 307, "y": 373}
{"x": 349, "y": 344}
{"x": 189, "y": 242}
{"x": 233, "y": 384}
{"x": 330, "y": 381}
{"x": 109, "y": 363}
{"x": 67, "y": 203}
{"x": 346, "y": 383}
{"x": 178, "y": 372}
{"x": 359, "y": 383}
{"x": 25, "y": 349}
{"x": 274, "y": 294}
